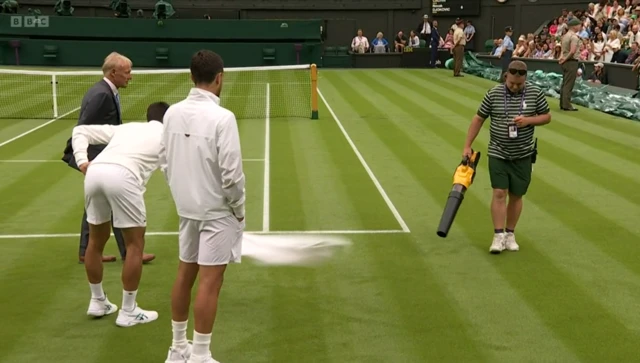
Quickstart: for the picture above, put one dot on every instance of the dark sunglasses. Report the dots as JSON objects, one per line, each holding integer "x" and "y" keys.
{"x": 520, "y": 72}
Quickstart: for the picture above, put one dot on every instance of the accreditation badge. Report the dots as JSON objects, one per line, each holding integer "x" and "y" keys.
{"x": 513, "y": 130}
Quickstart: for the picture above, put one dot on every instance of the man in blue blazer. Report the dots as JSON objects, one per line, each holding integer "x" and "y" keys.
{"x": 101, "y": 106}
{"x": 435, "y": 43}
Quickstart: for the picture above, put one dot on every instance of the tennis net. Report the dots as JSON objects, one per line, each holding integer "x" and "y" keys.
{"x": 290, "y": 91}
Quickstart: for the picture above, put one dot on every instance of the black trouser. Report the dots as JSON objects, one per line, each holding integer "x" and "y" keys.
{"x": 434, "y": 55}
{"x": 505, "y": 60}
{"x": 569, "y": 74}
{"x": 84, "y": 237}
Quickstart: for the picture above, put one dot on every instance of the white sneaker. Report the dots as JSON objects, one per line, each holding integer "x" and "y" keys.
{"x": 101, "y": 307}
{"x": 177, "y": 356}
{"x": 135, "y": 317}
{"x": 207, "y": 359}
{"x": 497, "y": 245}
{"x": 510, "y": 242}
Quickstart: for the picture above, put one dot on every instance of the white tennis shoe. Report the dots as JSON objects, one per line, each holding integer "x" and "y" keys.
{"x": 135, "y": 317}
{"x": 498, "y": 243}
{"x": 179, "y": 356}
{"x": 101, "y": 307}
{"x": 510, "y": 242}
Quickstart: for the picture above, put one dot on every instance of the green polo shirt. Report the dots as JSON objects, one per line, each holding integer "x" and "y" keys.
{"x": 530, "y": 102}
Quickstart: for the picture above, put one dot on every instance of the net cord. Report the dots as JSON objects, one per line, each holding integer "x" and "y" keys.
{"x": 152, "y": 71}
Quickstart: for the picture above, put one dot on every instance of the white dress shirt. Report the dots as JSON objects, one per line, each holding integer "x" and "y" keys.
{"x": 359, "y": 44}
{"x": 426, "y": 28}
{"x": 134, "y": 145}
{"x": 201, "y": 158}
{"x": 113, "y": 87}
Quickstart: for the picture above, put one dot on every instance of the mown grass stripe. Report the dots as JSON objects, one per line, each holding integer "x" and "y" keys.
{"x": 346, "y": 86}
{"x": 554, "y": 277}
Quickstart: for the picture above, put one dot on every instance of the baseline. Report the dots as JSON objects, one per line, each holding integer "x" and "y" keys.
{"x": 71, "y": 235}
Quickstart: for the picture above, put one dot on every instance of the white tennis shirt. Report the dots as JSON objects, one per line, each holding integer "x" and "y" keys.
{"x": 134, "y": 145}
{"x": 201, "y": 158}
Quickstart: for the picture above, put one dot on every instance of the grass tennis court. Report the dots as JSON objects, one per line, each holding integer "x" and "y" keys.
{"x": 569, "y": 295}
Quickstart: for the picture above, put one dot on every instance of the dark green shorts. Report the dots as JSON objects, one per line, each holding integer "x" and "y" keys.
{"x": 513, "y": 175}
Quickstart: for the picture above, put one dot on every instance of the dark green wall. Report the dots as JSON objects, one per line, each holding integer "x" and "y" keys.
{"x": 174, "y": 29}
{"x": 86, "y": 41}
{"x": 143, "y": 54}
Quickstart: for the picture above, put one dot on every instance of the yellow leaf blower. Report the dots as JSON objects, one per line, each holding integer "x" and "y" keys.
{"x": 462, "y": 180}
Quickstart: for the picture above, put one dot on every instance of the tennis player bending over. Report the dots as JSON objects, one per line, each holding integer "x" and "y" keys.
{"x": 115, "y": 183}
{"x": 202, "y": 162}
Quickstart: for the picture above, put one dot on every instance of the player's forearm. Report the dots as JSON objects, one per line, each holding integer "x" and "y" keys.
{"x": 474, "y": 130}
{"x": 539, "y": 120}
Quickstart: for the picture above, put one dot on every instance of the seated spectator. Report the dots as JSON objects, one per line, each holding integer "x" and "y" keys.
{"x": 539, "y": 52}
{"x": 497, "y": 43}
{"x": 400, "y": 42}
{"x": 597, "y": 48}
{"x": 599, "y": 75}
{"x": 448, "y": 40}
{"x": 521, "y": 47}
{"x": 553, "y": 28}
{"x": 380, "y": 44}
{"x": 414, "y": 41}
{"x": 611, "y": 47}
{"x": 633, "y": 54}
{"x": 557, "y": 51}
{"x": 585, "y": 49}
{"x": 360, "y": 44}
{"x": 547, "y": 52}
{"x": 531, "y": 49}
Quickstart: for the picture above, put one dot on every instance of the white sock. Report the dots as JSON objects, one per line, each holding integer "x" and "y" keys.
{"x": 201, "y": 343}
{"x": 96, "y": 291}
{"x": 179, "y": 334}
{"x": 129, "y": 300}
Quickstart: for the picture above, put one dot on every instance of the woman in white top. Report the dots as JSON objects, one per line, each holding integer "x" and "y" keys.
{"x": 597, "y": 49}
{"x": 360, "y": 44}
{"x": 521, "y": 47}
{"x": 611, "y": 46}
{"x": 414, "y": 41}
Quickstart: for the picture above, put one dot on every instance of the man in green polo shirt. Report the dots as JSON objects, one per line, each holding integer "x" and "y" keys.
{"x": 515, "y": 109}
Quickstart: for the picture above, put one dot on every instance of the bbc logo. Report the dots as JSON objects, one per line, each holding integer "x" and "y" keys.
{"x": 18, "y": 21}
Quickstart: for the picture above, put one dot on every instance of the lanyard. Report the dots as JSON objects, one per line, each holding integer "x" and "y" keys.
{"x": 506, "y": 110}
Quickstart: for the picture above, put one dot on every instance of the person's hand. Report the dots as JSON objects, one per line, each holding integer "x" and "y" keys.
{"x": 521, "y": 121}
{"x": 466, "y": 152}
{"x": 83, "y": 168}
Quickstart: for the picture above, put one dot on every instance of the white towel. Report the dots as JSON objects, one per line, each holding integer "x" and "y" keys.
{"x": 291, "y": 249}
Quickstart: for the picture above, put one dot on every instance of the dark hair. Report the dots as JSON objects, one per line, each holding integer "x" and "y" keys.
{"x": 205, "y": 66}
{"x": 156, "y": 111}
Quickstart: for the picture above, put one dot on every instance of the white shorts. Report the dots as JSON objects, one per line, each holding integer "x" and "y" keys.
{"x": 211, "y": 243}
{"x": 113, "y": 189}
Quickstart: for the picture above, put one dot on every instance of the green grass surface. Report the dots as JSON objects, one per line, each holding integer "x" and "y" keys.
{"x": 569, "y": 295}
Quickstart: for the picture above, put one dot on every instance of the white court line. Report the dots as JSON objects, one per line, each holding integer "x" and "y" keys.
{"x": 39, "y": 127}
{"x": 72, "y": 235}
{"x": 267, "y": 149}
{"x": 393, "y": 209}
{"x": 57, "y": 161}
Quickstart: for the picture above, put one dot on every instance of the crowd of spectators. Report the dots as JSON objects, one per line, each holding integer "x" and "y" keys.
{"x": 417, "y": 38}
{"x": 610, "y": 33}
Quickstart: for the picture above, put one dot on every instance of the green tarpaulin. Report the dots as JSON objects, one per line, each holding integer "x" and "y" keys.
{"x": 595, "y": 97}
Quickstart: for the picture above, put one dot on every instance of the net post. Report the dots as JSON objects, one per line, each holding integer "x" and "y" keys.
{"x": 54, "y": 93}
{"x": 314, "y": 92}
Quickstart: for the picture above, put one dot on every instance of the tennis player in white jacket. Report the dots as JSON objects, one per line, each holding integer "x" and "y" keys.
{"x": 202, "y": 162}
{"x": 115, "y": 184}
